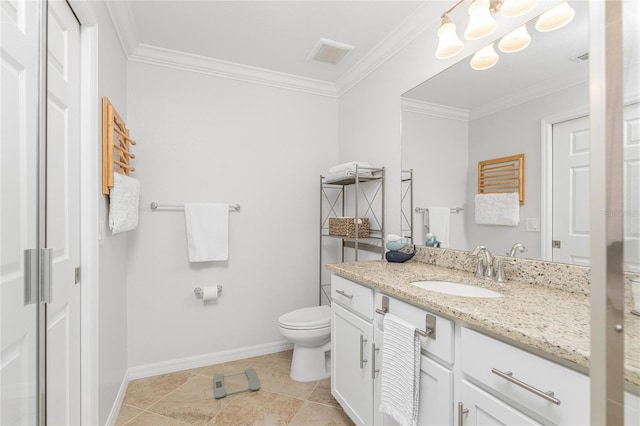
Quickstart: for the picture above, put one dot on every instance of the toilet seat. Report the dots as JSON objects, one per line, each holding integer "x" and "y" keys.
{"x": 306, "y": 318}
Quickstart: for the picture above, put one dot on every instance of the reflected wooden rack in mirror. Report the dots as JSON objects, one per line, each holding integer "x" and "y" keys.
{"x": 116, "y": 145}
{"x": 504, "y": 174}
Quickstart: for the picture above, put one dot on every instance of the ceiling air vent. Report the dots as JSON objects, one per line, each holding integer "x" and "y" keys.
{"x": 329, "y": 51}
{"x": 583, "y": 57}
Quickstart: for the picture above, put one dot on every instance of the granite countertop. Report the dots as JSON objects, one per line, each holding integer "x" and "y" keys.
{"x": 545, "y": 320}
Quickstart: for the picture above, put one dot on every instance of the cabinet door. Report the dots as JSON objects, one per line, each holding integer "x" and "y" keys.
{"x": 351, "y": 384}
{"x": 436, "y": 392}
{"x": 485, "y": 410}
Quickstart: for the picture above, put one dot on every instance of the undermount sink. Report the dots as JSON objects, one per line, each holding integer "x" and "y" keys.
{"x": 456, "y": 289}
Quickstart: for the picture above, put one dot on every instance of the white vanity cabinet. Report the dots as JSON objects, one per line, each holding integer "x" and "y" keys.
{"x": 351, "y": 345}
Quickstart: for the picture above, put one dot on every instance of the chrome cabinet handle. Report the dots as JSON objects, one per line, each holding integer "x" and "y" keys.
{"x": 342, "y": 293}
{"x": 508, "y": 375}
{"x": 362, "y": 360}
{"x": 461, "y": 412}
{"x": 374, "y": 370}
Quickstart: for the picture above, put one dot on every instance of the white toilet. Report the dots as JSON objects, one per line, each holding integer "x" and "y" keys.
{"x": 309, "y": 329}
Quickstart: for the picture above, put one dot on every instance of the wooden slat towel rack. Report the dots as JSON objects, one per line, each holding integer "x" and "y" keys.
{"x": 116, "y": 145}
{"x": 504, "y": 174}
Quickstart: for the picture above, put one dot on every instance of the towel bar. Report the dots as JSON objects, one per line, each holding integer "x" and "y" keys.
{"x": 429, "y": 320}
{"x": 156, "y": 206}
{"x": 452, "y": 209}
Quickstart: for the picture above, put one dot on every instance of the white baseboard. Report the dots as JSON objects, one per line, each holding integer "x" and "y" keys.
{"x": 164, "y": 367}
{"x": 117, "y": 404}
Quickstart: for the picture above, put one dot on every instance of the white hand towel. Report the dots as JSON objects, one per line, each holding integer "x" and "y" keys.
{"x": 124, "y": 199}
{"x": 438, "y": 222}
{"x": 498, "y": 209}
{"x": 207, "y": 231}
{"x": 400, "y": 371}
{"x": 350, "y": 166}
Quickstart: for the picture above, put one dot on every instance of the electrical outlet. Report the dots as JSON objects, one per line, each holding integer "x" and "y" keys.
{"x": 533, "y": 224}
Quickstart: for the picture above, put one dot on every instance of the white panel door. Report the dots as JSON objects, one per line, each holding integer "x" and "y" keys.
{"x": 571, "y": 190}
{"x": 571, "y": 219}
{"x": 18, "y": 208}
{"x": 63, "y": 215}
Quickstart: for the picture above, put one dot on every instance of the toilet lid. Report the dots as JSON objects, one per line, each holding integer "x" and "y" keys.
{"x": 314, "y": 317}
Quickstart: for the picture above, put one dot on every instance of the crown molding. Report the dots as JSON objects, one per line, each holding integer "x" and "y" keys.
{"x": 434, "y": 110}
{"x": 204, "y": 65}
{"x": 407, "y": 31}
{"x": 124, "y": 24}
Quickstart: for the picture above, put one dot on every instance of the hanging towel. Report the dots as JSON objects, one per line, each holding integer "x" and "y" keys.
{"x": 207, "y": 231}
{"x": 400, "y": 371}
{"x": 123, "y": 203}
{"x": 350, "y": 166}
{"x": 498, "y": 209}
{"x": 437, "y": 220}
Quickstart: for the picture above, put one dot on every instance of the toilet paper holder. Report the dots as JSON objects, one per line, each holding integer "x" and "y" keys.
{"x": 198, "y": 291}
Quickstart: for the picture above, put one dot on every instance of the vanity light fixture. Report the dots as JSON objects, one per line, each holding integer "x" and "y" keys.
{"x": 449, "y": 44}
{"x": 555, "y": 18}
{"x": 514, "y": 8}
{"x": 515, "y": 41}
{"x": 484, "y": 58}
{"x": 481, "y": 23}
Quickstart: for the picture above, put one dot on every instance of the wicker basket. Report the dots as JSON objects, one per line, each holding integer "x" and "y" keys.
{"x": 346, "y": 227}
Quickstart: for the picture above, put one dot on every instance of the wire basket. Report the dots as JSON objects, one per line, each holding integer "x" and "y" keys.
{"x": 346, "y": 227}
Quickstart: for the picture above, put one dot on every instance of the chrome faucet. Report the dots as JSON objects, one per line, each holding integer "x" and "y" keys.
{"x": 485, "y": 263}
{"x": 517, "y": 247}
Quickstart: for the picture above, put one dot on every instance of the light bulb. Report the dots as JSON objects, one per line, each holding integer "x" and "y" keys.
{"x": 555, "y": 18}
{"x": 484, "y": 58}
{"x": 449, "y": 44}
{"x": 481, "y": 23}
{"x": 515, "y": 41}
{"x": 514, "y": 8}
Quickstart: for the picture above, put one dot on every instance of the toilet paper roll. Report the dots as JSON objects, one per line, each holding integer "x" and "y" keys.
{"x": 209, "y": 293}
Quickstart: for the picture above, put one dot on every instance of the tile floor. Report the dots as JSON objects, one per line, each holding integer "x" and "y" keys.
{"x": 186, "y": 398}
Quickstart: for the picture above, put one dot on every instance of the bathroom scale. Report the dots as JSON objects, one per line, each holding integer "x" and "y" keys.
{"x": 230, "y": 384}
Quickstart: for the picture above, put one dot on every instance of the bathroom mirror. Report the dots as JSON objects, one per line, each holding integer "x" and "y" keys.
{"x": 520, "y": 106}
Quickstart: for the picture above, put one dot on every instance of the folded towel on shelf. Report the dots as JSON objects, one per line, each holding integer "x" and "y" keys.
{"x": 400, "y": 371}
{"x": 207, "y": 231}
{"x": 124, "y": 199}
{"x": 498, "y": 209}
{"x": 351, "y": 166}
{"x": 437, "y": 221}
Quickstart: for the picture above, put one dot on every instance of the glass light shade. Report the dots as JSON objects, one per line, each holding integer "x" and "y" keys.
{"x": 481, "y": 23}
{"x": 484, "y": 58}
{"x": 513, "y": 8}
{"x": 555, "y": 18}
{"x": 515, "y": 41}
{"x": 449, "y": 44}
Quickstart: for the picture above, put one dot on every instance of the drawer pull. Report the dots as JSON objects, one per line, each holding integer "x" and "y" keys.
{"x": 509, "y": 377}
{"x": 342, "y": 293}
{"x": 461, "y": 411}
{"x": 362, "y": 360}
{"x": 374, "y": 370}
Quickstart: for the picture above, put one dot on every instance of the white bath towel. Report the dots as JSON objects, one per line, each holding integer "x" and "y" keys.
{"x": 350, "y": 166}
{"x": 498, "y": 209}
{"x": 437, "y": 220}
{"x": 124, "y": 199}
{"x": 400, "y": 371}
{"x": 207, "y": 231}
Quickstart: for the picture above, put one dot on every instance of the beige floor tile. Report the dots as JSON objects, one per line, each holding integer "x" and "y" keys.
{"x": 276, "y": 379}
{"x": 286, "y": 354}
{"x": 191, "y": 403}
{"x": 322, "y": 394}
{"x": 143, "y": 393}
{"x": 237, "y": 366}
{"x": 259, "y": 408}
{"x": 151, "y": 419}
{"x": 126, "y": 414}
{"x": 318, "y": 414}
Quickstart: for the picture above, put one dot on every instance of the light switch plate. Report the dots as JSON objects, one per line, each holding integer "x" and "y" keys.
{"x": 532, "y": 224}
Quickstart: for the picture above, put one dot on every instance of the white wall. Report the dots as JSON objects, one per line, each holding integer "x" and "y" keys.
{"x": 203, "y": 138}
{"x": 112, "y": 291}
{"x": 513, "y": 131}
{"x": 436, "y": 149}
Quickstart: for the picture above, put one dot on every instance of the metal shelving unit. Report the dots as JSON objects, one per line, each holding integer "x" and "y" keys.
{"x": 360, "y": 196}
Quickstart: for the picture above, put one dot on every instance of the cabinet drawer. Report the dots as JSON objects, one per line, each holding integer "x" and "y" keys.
{"x": 356, "y": 297}
{"x": 441, "y": 346}
{"x": 483, "y": 358}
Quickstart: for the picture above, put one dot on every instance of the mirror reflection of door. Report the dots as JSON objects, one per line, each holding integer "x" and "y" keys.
{"x": 571, "y": 219}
